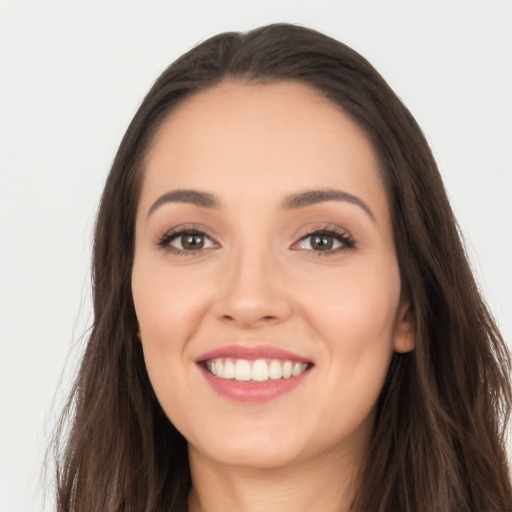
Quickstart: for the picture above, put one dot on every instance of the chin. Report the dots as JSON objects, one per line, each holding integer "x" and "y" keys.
{"x": 247, "y": 456}
{"x": 263, "y": 448}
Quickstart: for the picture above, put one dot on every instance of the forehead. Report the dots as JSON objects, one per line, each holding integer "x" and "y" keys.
{"x": 270, "y": 138}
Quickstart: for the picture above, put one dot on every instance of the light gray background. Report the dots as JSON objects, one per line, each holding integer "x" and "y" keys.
{"x": 71, "y": 76}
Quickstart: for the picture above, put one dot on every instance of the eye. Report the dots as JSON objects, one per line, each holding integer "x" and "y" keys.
{"x": 190, "y": 240}
{"x": 326, "y": 240}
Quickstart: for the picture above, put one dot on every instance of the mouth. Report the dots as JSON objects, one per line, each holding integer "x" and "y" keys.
{"x": 253, "y": 374}
{"x": 259, "y": 370}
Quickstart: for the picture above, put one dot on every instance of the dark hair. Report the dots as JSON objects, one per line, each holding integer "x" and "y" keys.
{"x": 438, "y": 443}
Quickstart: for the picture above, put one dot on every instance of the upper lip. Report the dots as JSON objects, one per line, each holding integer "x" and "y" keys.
{"x": 251, "y": 353}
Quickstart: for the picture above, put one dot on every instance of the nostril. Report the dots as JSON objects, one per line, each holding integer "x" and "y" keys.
{"x": 249, "y": 320}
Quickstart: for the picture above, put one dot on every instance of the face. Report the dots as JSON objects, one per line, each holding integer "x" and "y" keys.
{"x": 265, "y": 279}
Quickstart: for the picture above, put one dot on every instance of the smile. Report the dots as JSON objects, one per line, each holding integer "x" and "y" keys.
{"x": 253, "y": 373}
{"x": 260, "y": 370}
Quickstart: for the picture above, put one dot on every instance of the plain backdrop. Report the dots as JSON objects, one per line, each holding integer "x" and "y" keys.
{"x": 72, "y": 75}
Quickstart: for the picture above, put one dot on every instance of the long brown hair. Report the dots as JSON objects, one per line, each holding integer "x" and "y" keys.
{"x": 438, "y": 443}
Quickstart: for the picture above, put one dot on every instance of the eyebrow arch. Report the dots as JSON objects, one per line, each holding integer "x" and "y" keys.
{"x": 201, "y": 199}
{"x": 291, "y": 202}
{"x": 311, "y": 197}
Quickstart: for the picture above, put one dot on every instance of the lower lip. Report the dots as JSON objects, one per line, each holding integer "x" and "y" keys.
{"x": 252, "y": 392}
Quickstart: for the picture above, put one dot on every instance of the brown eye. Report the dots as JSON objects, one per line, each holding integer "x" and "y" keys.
{"x": 326, "y": 241}
{"x": 193, "y": 241}
{"x": 189, "y": 241}
{"x": 322, "y": 242}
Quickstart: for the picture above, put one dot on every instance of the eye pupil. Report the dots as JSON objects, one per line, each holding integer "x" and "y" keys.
{"x": 322, "y": 242}
{"x": 192, "y": 241}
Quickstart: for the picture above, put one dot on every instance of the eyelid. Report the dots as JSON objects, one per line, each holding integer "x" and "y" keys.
{"x": 163, "y": 241}
{"x": 342, "y": 235}
{"x": 345, "y": 239}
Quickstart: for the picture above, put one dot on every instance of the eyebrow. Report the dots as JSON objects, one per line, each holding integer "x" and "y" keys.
{"x": 195, "y": 197}
{"x": 291, "y": 202}
{"x": 311, "y": 197}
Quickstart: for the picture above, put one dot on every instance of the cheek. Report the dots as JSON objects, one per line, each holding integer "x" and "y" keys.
{"x": 354, "y": 320}
{"x": 167, "y": 304}
{"x": 169, "y": 308}
{"x": 354, "y": 316}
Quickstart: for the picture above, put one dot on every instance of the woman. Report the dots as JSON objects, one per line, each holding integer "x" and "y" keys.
{"x": 284, "y": 313}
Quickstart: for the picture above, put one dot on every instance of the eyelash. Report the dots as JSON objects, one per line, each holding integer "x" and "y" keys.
{"x": 347, "y": 242}
{"x": 165, "y": 241}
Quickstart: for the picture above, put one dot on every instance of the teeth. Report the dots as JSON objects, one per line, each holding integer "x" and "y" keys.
{"x": 260, "y": 370}
{"x": 287, "y": 370}
{"x": 229, "y": 370}
{"x": 275, "y": 370}
{"x": 242, "y": 370}
{"x": 297, "y": 369}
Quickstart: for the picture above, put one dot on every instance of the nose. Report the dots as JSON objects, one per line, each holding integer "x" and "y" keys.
{"x": 252, "y": 293}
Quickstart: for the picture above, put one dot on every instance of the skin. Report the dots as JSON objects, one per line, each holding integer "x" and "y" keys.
{"x": 258, "y": 281}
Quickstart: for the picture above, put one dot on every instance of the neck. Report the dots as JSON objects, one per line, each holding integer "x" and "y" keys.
{"x": 326, "y": 485}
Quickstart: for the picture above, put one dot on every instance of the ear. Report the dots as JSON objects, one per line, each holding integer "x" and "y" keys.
{"x": 136, "y": 328}
{"x": 404, "y": 331}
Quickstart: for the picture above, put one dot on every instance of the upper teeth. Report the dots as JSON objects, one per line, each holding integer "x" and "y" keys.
{"x": 259, "y": 370}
